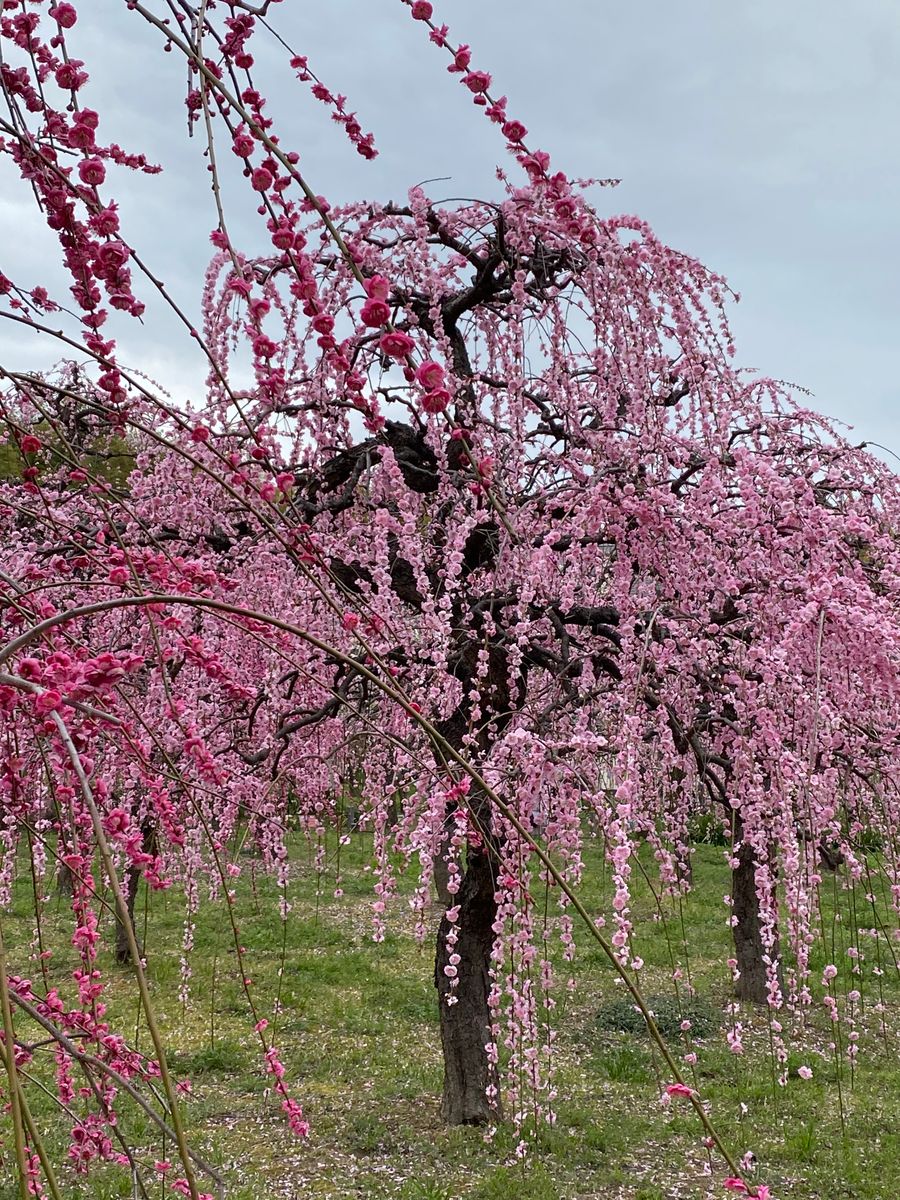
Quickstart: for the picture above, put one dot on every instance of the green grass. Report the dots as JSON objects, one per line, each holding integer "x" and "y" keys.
{"x": 358, "y": 1033}
{"x": 623, "y": 1016}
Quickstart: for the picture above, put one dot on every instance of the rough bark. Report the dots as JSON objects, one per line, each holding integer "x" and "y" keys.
{"x": 831, "y": 857}
{"x": 123, "y": 950}
{"x": 65, "y": 882}
{"x": 441, "y": 879}
{"x": 130, "y": 890}
{"x": 442, "y": 870}
{"x": 752, "y": 983}
{"x": 465, "y": 1025}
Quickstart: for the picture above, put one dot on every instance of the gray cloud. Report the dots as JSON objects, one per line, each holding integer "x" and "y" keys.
{"x": 759, "y": 137}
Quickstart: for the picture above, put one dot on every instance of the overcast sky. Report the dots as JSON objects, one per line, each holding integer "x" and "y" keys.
{"x": 761, "y": 137}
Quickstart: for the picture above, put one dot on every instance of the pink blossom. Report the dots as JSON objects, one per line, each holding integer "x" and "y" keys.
{"x": 116, "y": 822}
{"x": 48, "y": 701}
{"x": 91, "y": 171}
{"x": 396, "y": 344}
{"x": 106, "y": 221}
{"x": 243, "y": 144}
{"x": 435, "y": 401}
{"x": 462, "y": 59}
{"x": 375, "y": 312}
{"x": 477, "y": 81}
{"x": 514, "y": 131}
{"x": 430, "y": 375}
{"x": 377, "y": 287}
{"x": 70, "y": 76}
{"x": 64, "y": 15}
{"x": 261, "y": 179}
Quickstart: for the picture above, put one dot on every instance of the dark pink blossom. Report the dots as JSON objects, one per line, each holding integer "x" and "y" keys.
{"x": 477, "y": 81}
{"x": 375, "y": 312}
{"x": 91, "y": 171}
{"x": 514, "y": 131}
{"x": 396, "y": 344}
{"x": 64, "y": 15}
{"x": 262, "y": 179}
{"x": 435, "y": 401}
{"x": 430, "y": 374}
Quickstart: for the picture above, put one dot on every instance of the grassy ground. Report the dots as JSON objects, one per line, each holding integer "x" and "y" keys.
{"x": 359, "y": 1037}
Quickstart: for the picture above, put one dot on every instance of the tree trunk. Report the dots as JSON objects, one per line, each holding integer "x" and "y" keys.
{"x": 465, "y": 1024}
{"x": 441, "y": 879}
{"x": 752, "y": 983}
{"x": 123, "y": 950}
{"x": 441, "y": 868}
{"x": 831, "y": 857}
{"x": 130, "y": 890}
{"x": 65, "y": 882}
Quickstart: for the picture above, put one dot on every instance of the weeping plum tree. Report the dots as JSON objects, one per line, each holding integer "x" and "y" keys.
{"x": 475, "y": 508}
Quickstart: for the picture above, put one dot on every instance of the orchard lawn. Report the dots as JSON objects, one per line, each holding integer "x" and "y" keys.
{"x": 359, "y": 1037}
